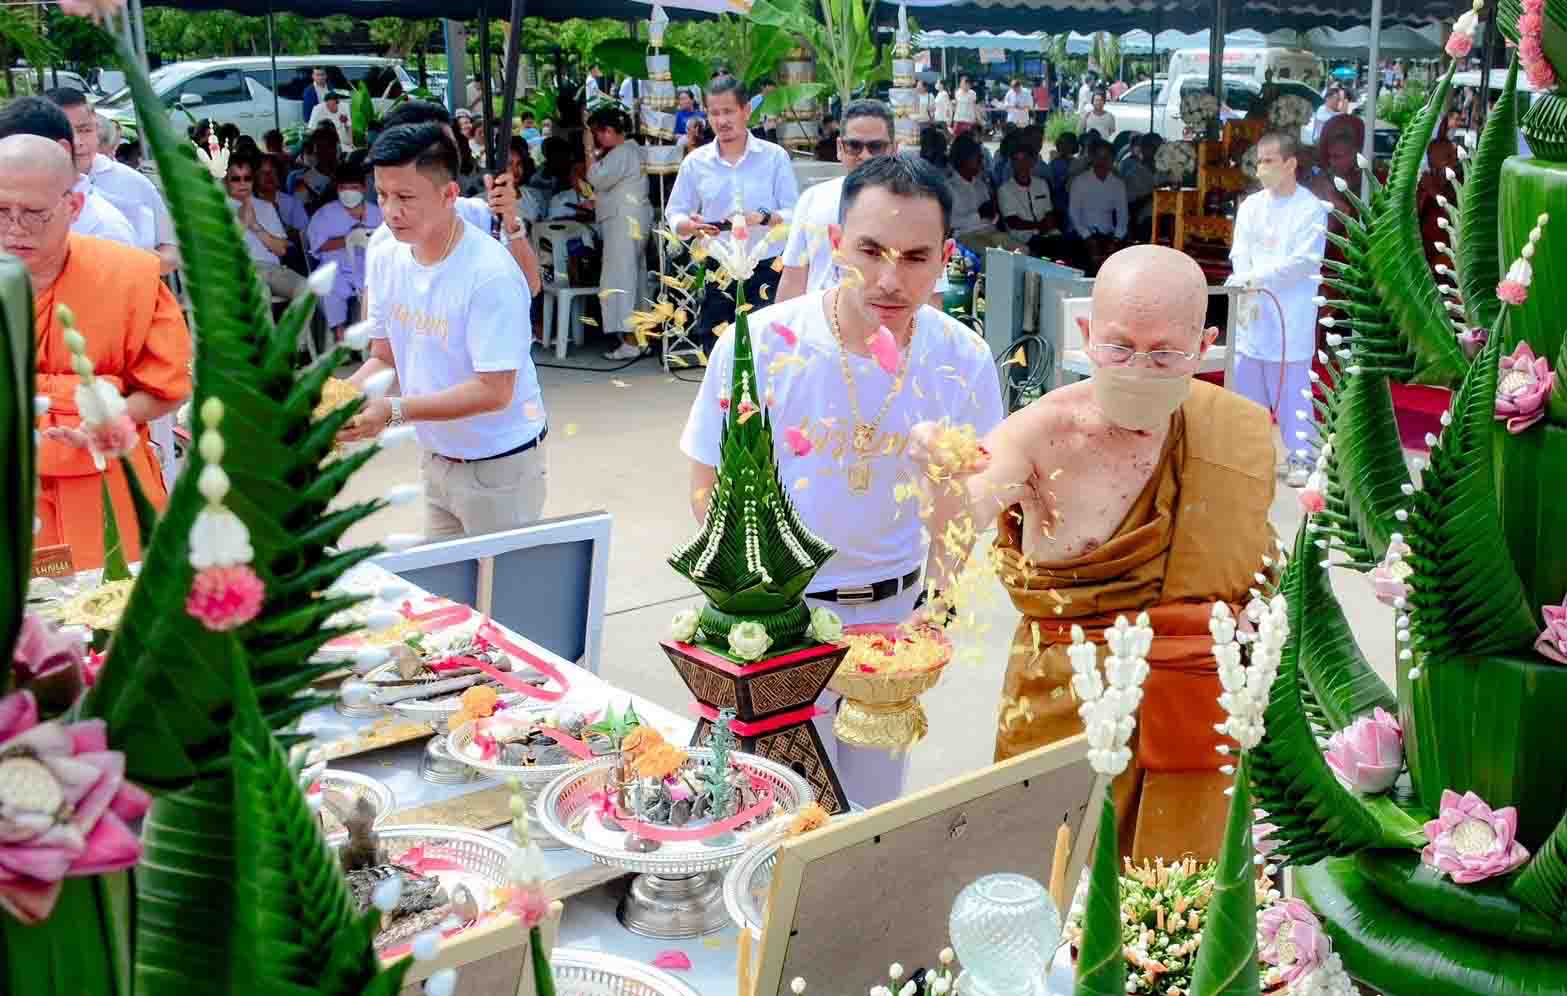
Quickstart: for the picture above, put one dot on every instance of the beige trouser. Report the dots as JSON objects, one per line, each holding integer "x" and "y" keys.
{"x": 280, "y": 280}
{"x": 488, "y": 496}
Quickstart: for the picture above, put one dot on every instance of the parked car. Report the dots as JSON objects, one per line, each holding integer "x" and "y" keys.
{"x": 1257, "y": 64}
{"x": 25, "y": 79}
{"x": 239, "y": 91}
{"x": 1133, "y": 113}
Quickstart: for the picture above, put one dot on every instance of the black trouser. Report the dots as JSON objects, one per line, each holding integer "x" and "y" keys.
{"x": 718, "y": 305}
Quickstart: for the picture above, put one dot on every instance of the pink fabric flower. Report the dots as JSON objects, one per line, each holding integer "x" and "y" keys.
{"x": 1390, "y": 578}
{"x": 64, "y": 806}
{"x": 1263, "y": 840}
{"x": 528, "y": 903}
{"x": 884, "y": 349}
{"x": 224, "y": 598}
{"x": 1311, "y": 501}
{"x": 1525, "y": 386}
{"x": 1552, "y": 644}
{"x": 1369, "y": 754}
{"x": 723, "y": 402}
{"x": 50, "y": 664}
{"x": 114, "y": 438}
{"x": 1512, "y": 292}
{"x": 798, "y": 441}
{"x": 1290, "y": 938}
{"x": 1473, "y": 341}
{"x": 785, "y": 333}
{"x": 1471, "y": 842}
{"x": 1459, "y": 45}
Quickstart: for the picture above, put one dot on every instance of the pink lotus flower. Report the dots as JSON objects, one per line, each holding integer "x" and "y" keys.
{"x": 1367, "y": 756}
{"x": 114, "y": 438}
{"x": 1473, "y": 341}
{"x": 1390, "y": 578}
{"x": 1470, "y": 842}
{"x": 785, "y": 333}
{"x": 1512, "y": 292}
{"x": 1458, "y": 46}
{"x": 224, "y": 598}
{"x": 1290, "y": 938}
{"x": 1524, "y": 388}
{"x": 50, "y": 664}
{"x": 1552, "y": 644}
{"x": 1263, "y": 840}
{"x": 798, "y": 441}
{"x": 884, "y": 349}
{"x": 64, "y": 805}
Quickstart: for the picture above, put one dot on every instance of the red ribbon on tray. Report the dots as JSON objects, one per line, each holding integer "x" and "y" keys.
{"x": 492, "y": 634}
{"x": 669, "y": 835}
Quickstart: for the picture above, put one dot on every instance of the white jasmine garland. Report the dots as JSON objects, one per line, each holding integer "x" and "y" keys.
{"x": 219, "y": 539}
{"x": 1246, "y": 689}
{"x": 734, "y": 254}
{"x": 1109, "y": 702}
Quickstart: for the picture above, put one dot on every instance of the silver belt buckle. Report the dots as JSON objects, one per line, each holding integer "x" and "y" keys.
{"x": 861, "y": 594}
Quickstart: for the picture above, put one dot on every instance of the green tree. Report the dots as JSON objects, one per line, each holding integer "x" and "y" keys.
{"x": 178, "y": 34}
{"x": 399, "y": 37}
{"x": 80, "y": 43}
{"x": 22, "y": 36}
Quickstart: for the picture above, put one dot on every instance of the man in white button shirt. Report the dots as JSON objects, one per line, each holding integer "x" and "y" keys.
{"x": 1024, "y": 204}
{"x": 1018, "y": 103}
{"x": 39, "y": 116}
{"x": 737, "y": 173}
{"x": 1280, "y": 233}
{"x": 974, "y": 200}
{"x": 133, "y": 194}
{"x": 857, "y": 414}
{"x": 1099, "y": 205}
{"x": 445, "y": 302}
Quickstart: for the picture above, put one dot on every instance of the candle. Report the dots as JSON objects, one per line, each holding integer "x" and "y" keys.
{"x": 744, "y": 986}
{"x": 1058, "y": 867}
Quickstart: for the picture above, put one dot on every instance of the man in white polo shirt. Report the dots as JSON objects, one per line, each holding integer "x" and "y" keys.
{"x": 445, "y": 299}
{"x": 857, "y": 414}
{"x": 41, "y": 117}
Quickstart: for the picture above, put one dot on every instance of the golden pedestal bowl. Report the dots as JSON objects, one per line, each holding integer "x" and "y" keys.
{"x": 882, "y": 709}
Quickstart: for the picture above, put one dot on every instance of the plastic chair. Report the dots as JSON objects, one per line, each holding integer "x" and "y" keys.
{"x": 550, "y": 241}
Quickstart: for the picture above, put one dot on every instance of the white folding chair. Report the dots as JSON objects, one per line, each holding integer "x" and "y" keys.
{"x": 551, "y": 240}
{"x": 545, "y": 582}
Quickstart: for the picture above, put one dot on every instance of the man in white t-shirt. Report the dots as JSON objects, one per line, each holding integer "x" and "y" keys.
{"x": 1018, "y": 104}
{"x": 857, "y": 414}
{"x": 1334, "y": 103}
{"x": 807, "y": 257}
{"x": 941, "y": 106}
{"x": 445, "y": 306}
{"x": 1096, "y": 118}
{"x": 333, "y": 111}
{"x": 265, "y": 237}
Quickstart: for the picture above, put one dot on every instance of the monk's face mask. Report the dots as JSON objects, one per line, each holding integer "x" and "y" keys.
{"x": 1139, "y": 398}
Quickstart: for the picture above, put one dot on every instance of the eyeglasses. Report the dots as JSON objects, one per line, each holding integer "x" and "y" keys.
{"x": 855, "y": 147}
{"x": 1112, "y": 355}
{"x": 28, "y": 219}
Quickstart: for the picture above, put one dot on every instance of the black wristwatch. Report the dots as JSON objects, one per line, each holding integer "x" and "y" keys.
{"x": 767, "y": 216}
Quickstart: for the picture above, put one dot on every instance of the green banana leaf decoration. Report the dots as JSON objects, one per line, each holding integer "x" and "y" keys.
{"x": 20, "y": 482}
{"x": 1543, "y": 882}
{"x": 1396, "y": 312}
{"x": 1316, "y": 815}
{"x": 1479, "y": 252}
{"x": 146, "y": 515}
{"x": 1227, "y": 960}
{"x": 1101, "y": 964}
{"x": 1342, "y": 684}
{"x": 114, "y": 566}
{"x": 164, "y": 701}
{"x": 1461, "y": 603}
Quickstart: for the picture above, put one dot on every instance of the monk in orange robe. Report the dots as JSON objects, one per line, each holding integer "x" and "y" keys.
{"x": 136, "y": 338}
{"x": 1137, "y": 490}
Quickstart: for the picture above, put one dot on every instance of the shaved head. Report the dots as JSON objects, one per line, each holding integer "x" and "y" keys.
{"x": 1150, "y": 297}
{"x": 37, "y": 204}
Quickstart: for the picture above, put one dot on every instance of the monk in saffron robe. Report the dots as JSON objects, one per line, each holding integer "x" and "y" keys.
{"x": 136, "y": 338}
{"x": 1139, "y": 490}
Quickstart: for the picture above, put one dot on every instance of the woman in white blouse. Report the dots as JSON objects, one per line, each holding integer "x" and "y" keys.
{"x": 624, "y": 216}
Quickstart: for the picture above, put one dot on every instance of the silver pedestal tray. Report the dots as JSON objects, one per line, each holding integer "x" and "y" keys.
{"x": 746, "y": 886}
{"x": 677, "y": 892}
{"x": 593, "y": 973}
{"x": 532, "y": 779}
{"x": 354, "y": 785}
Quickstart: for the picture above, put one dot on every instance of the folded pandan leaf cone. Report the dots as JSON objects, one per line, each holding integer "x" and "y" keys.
{"x": 1479, "y": 259}
{"x": 19, "y": 482}
{"x": 1101, "y": 963}
{"x": 1227, "y": 960}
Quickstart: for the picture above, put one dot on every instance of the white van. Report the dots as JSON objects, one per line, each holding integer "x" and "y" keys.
{"x": 1253, "y": 64}
{"x": 239, "y": 91}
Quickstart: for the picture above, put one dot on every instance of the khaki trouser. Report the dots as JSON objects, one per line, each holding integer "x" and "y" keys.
{"x": 487, "y": 496}
{"x": 280, "y": 280}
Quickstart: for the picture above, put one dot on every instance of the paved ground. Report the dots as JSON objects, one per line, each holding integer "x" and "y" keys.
{"x": 613, "y": 446}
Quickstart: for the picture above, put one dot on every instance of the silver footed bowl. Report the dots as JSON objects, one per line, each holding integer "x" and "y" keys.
{"x": 484, "y": 859}
{"x": 531, "y": 777}
{"x": 564, "y": 804}
{"x": 747, "y": 883}
{"x": 352, "y": 786}
{"x": 593, "y": 973}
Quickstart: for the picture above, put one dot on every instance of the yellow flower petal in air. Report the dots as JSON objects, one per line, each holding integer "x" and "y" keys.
{"x": 589, "y": 321}
{"x": 778, "y": 232}
{"x": 636, "y": 228}
{"x": 606, "y": 292}
{"x": 571, "y": 428}
{"x": 802, "y": 484}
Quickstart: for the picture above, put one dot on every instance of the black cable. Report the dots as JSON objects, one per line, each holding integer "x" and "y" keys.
{"x": 588, "y": 369}
{"x": 1039, "y": 361}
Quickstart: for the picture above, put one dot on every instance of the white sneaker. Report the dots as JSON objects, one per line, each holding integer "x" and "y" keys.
{"x": 624, "y": 351}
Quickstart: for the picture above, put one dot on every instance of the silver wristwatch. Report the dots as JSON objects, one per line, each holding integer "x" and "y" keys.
{"x": 397, "y": 412}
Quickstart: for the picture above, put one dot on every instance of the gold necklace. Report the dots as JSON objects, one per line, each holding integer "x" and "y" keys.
{"x": 451, "y": 240}
{"x": 859, "y": 472}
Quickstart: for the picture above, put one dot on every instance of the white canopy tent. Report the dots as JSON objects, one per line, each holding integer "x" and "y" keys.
{"x": 1010, "y": 41}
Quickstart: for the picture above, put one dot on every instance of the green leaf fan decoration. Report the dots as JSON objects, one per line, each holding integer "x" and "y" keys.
{"x": 163, "y": 691}
{"x": 1465, "y": 598}
{"x": 1227, "y": 960}
{"x": 1341, "y": 684}
{"x": 1395, "y": 310}
{"x": 1479, "y": 252}
{"x": 1316, "y": 816}
{"x": 1101, "y": 964}
{"x": 1543, "y": 882}
{"x": 20, "y": 482}
{"x": 754, "y": 556}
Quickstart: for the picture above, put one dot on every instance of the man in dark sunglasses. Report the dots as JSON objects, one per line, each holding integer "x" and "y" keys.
{"x": 807, "y": 257}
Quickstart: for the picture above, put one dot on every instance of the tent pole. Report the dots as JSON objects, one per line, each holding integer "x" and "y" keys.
{"x": 1216, "y": 52}
{"x": 484, "y": 86}
{"x": 277, "y": 117}
{"x": 1369, "y": 146}
{"x": 519, "y": 9}
{"x": 1483, "y": 106}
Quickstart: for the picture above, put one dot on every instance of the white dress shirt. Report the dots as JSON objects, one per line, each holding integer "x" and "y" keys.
{"x": 713, "y": 189}
{"x": 102, "y": 219}
{"x": 1278, "y": 244}
{"x": 941, "y": 108}
{"x": 136, "y": 197}
{"x": 967, "y": 197}
{"x": 1030, "y": 203}
{"x": 966, "y": 110}
{"x": 1099, "y": 206}
{"x": 1018, "y": 104}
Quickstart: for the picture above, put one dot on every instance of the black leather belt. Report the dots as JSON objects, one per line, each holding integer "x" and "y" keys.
{"x": 864, "y": 594}
{"x": 525, "y": 447}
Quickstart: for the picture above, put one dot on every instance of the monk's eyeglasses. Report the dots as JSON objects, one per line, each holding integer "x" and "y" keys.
{"x": 29, "y": 219}
{"x": 1112, "y": 355}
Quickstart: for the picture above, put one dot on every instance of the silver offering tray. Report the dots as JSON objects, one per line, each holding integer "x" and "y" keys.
{"x": 677, "y": 892}
{"x": 593, "y": 973}
{"x": 433, "y": 711}
{"x": 354, "y": 785}
{"x": 532, "y": 778}
{"x": 747, "y": 884}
